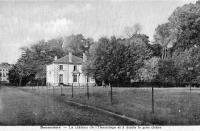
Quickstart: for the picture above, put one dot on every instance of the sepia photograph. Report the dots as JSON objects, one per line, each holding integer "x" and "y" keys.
{"x": 100, "y": 63}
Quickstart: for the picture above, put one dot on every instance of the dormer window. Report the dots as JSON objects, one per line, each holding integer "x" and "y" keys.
{"x": 60, "y": 67}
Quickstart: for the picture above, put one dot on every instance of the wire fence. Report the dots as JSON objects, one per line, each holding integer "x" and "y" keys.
{"x": 165, "y": 103}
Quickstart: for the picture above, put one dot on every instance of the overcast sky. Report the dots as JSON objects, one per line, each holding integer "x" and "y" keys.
{"x": 24, "y": 22}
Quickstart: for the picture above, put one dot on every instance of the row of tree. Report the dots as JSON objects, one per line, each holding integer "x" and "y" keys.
{"x": 117, "y": 59}
{"x": 181, "y": 36}
{"x": 31, "y": 66}
{"x": 174, "y": 56}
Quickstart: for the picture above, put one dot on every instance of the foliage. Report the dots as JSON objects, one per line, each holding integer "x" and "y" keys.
{"x": 132, "y": 30}
{"x": 77, "y": 44}
{"x": 156, "y": 50}
{"x": 162, "y": 36}
{"x": 181, "y": 36}
{"x": 150, "y": 70}
{"x": 32, "y": 64}
{"x": 185, "y": 60}
{"x": 186, "y": 25}
{"x": 117, "y": 59}
{"x": 166, "y": 71}
{"x": 14, "y": 77}
{"x": 182, "y": 31}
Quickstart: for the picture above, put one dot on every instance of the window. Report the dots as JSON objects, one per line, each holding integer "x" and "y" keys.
{"x": 61, "y": 78}
{"x": 60, "y": 67}
{"x": 75, "y": 78}
{"x": 75, "y": 67}
{"x": 88, "y": 79}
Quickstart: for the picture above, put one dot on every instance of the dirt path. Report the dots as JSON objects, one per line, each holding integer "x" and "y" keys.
{"x": 18, "y": 107}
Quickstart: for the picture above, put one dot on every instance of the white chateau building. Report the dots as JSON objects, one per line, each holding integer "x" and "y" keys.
{"x": 4, "y": 69}
{"x": 67, "y": 70}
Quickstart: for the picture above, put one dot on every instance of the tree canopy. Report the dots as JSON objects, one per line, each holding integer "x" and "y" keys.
{"x": 77, "y": 44}
{"x": 117, "y": 59}
{"x": 181, "y": 36}
{"x": 32, "y": 64}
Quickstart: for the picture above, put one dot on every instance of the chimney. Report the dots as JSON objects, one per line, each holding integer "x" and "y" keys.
{"x": 84, "y": 57}
{"x": 70, "y": 56}
{"x": 55, "y": 58}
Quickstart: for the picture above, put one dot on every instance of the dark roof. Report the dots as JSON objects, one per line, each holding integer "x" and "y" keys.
{"x": 65, "y": 60}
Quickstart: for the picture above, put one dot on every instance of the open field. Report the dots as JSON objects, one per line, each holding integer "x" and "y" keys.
{"x": 18, "y": 107}
{"x": 173, "y": 106}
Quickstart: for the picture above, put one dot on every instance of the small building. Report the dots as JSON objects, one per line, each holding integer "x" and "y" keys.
{"x": 67, "y": 70}
{"x": 4, "y": 70}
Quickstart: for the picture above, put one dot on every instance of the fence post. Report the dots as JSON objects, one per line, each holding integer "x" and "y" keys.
{"x": 72, "y": 91}
{"x": 87, "y": 89}
{"x": 152, "y": 99}
{"x": 111, "y": 93}
{"x": 53, "y": 90}
{"x": 38, "y": 88}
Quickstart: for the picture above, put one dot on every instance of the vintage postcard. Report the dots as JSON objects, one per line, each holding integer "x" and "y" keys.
{"x": 100, "y": 64}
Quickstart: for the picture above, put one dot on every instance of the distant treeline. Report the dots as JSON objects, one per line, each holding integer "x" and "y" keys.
{"x": 172, "y": 59}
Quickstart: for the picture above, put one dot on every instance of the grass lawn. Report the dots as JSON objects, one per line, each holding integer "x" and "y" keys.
{"x": 18, "y": 107}
{"x": 173, "y": 106}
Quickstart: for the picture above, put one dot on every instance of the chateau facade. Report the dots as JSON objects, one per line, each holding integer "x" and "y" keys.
{"x": 67, "y": 70}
